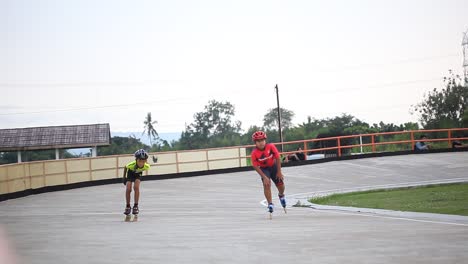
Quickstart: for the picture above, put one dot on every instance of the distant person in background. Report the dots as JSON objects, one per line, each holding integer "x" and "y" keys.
{"x": 421, "y": 145}
{"x": 458, "y": 144}
{"x": 298, "y": 156}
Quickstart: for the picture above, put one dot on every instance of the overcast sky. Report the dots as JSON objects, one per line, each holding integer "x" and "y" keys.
{"x": 82, "y": 62}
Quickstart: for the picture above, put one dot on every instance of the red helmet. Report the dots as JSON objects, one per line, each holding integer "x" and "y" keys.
{"x": 259, "y": 135}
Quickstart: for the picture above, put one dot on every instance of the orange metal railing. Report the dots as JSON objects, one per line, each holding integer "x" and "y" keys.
{"x": 339, "y": 146}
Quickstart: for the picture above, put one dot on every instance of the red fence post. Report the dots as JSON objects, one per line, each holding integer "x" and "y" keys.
{"x": 339, "y": 146}
{"x": 450, "y": 138}
{"x": 373, "y": 143}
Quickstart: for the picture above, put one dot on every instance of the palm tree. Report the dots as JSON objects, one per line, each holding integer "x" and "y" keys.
{"x": 149, "y": 129}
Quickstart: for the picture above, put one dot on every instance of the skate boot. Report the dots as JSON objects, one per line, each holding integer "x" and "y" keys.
{"x": 135, "y": 210}
{"x": 270, "y": 208}
{"x": 128, "y": 209}
{"x": 283, "y": 201}
{"x": 128, "y": 216}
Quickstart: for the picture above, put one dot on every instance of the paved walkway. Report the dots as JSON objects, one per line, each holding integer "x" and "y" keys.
{"x": 219, "y": 219}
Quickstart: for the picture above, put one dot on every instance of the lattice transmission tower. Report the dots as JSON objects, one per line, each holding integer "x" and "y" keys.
{"x": 465, "y": 56}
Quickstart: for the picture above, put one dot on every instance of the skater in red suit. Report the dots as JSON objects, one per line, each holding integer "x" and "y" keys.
{"x": 266, "y": 161}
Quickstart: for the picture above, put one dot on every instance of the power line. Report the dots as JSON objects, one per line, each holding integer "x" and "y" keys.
{"x": 118, "y": 105}
{"x": 85, "y": 84}
{"x": 402, "y": 83}
{"x": 223, "y": 93}
{"x": 398, "y": 62}
{"x": 91, "y": 107}
{"x": 152, "y": 82}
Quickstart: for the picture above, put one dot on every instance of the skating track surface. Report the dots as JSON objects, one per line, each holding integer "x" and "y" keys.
{"x": 219, "y": 219}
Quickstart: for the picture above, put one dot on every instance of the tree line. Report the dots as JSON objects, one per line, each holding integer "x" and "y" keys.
{"x": 216, "y": 125}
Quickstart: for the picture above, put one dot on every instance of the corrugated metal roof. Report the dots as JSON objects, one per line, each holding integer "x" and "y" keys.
{"x": 54, "y": 137}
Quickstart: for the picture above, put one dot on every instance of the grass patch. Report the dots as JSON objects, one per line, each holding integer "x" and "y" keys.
{"x": 442, "y": 199}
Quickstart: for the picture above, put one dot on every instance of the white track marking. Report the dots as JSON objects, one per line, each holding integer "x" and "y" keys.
{"x": 391, "y": 217}
{"x": 381, "y": 186}
{"x": 391, "y": 185}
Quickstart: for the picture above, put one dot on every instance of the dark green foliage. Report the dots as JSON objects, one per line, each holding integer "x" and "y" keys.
{"x": 270, "y": 119}
{"x": 445, "y": 108}
{"x": 216, "y": 127}
{"x": 213, "y": 127}
{"x": 122, "y": 145}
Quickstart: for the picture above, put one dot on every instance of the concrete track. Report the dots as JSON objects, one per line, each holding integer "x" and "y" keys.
{"x": 219, "y": 219}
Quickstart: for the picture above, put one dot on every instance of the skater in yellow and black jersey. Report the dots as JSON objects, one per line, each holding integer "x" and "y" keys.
{"x": 132, "y": 178}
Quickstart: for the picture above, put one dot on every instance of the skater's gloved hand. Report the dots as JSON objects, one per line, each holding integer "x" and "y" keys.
{"x": 124, "y": 180}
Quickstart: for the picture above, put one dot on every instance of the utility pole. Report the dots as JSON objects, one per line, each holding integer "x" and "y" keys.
{"x": 279, "y": 117}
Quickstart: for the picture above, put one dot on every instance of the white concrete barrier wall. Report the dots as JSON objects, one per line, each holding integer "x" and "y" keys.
{"x": 38, "y": 174}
